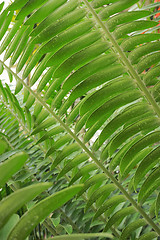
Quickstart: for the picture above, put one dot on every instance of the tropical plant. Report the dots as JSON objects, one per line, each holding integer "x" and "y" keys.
{"x": 84, "y": 117}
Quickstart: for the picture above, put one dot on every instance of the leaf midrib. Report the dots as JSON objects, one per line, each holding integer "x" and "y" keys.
{"x": 89, "y": 153}
{"x": 114, "y": 231}
{"x": 125, "y": 61}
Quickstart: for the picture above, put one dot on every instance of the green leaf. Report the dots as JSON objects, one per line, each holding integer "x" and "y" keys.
{"x": 17, "y": 4}
{"x": 101, "y": 96}
{"x": 115, "y": 8}
{"x": 54, "y": 131}
{"x": 147, "y": 140}
{"x": 143, "y": 50}
{"x": 11, "y": 166}
{"x": 13, "y": 45}
{"x": 4, "y": 232}
{"x": 28, "y": 118}
{"x": 28, "y": 8}
{"x": 1, "y": 6}
{"x": 10, "y": 35}
{"x": 41, "y": 211}
{"x": 132, "y": 27}
{"x": 148, "y": 236}
{"x": 150, "y": 184}
{"x": 85, "y": 109}
{"x": 132, "y": 164}
{"x": 92, "y": 181}
{"x": 44, "y": 11}
{"x": 94, "y": 81}
{"x": 157, "y": 205}
{"x": 17, "y": 199}
{"x": 73, "y": 163}
{"x": 83, "y": 171}
{"x": 150, "y": 77}
{"x": 148, "y": 61}
{"x": 1, "y": 68}
{"x": 19, "y": 87}
{"x": 58, "y": 144}
{"x": 68, "y": 150}
{"x": 125, "y": 17}
{"x": 119, "y": 216}
{"x": 3, "y": 17}
{"x": 148, "y": 162}
{"x": 59, "y": 26}
{"x": 131, "y": 43}
{"x": 99, "y": 3}
{"x": 45, "y": 124}
{"x": 3, "y": 146}
{"x": 142, "y": 125}
{"x": 89, "y": 69}
{"x": 19, "y": 48}
{"x": 6, "y": 24}
{"x": 43, "y": 114}
{"x": 114, "y": 201}
{"x": 125, "y": 116}
{"x": 132, "y": 227}
{"x": 102, "y": 191}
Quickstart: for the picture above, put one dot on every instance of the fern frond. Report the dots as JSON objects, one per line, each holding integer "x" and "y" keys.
{"x": 84, "y": 70}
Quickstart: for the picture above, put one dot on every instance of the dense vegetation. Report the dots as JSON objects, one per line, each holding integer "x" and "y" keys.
{"x": 79, "y": 119}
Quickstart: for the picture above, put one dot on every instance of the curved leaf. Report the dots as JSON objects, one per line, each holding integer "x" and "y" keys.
{"x": 16, "y": 200}
{"x": 11, "y": 166}
{"x": 41, "y": 211}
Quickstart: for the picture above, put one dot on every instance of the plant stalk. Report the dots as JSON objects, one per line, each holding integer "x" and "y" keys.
{"x": 89, "y": 153}
{"x": 125, "y": 60}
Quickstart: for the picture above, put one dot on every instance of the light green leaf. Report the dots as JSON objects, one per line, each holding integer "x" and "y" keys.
{"x": 44, "y": 11}
{"x": 131, "y": 43}
{"x": 16, "y": 200}
{"x": 11, "y": 166}
{"x": 4, "y": 232}
{"x": 1, "y": 6}
{"x": 17, "y": 4}
{"x": 41, "y": 211}
{"x": 59, "y": 26}
{"x": 6, "y": 24}
{"x": 132, "y": 27}
{"x": 28, "y": 7}
{"x": 3, "y": 146}
{"x": 125, "y": 17}
{"x": 115, "y": 8}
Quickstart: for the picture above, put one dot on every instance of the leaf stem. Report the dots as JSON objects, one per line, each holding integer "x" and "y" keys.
{"x": 125, "y": 60}
{"x": 89, "y": 153}
{"x": 114, "y": 231}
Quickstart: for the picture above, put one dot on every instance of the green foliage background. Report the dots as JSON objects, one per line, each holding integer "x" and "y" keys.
{"x": 79, "y": 132}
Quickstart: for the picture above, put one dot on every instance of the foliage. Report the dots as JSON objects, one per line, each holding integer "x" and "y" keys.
{"x": 80, "y": 133}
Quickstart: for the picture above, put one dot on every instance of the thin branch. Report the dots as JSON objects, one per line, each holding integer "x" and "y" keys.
{"x": 89, "y": 153}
